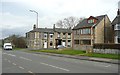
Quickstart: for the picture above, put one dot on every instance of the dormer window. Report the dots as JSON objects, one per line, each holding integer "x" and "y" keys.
{"x": 91, "y": 21}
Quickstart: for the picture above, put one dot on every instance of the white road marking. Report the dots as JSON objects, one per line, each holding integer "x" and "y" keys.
{"x": 13, "y": 63}
{"x": 21, "y": 67}
{"x": 25, "y": 58}
{"x": 55, "y": 66}
{"x": 108, "y": 66}
{"x": 30, "y": 72}
{"x": 11, "y": 55}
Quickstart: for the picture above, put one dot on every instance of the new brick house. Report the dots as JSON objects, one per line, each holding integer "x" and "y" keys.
{"x": 39, "y": 38}
{"x": 91, "y": 31}
{"x": 116, "y": 28}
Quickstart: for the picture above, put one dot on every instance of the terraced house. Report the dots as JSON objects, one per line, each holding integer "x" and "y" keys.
{"x": 92, "y": 30}
{"x": 48, "y": 37}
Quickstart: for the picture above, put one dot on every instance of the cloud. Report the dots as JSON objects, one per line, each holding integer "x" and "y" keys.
{"x": 50, "y": 11}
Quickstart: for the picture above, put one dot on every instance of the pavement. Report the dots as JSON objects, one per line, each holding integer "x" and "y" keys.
{"x": 24, "y": 62}
{"x": 105, "y": 60}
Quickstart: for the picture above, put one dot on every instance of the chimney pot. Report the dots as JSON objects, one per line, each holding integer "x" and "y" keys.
{"x": 34, "y": 27}
{"x": 118, "y": 12}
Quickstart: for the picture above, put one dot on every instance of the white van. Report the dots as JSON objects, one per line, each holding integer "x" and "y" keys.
{"x": 7, "y": 46}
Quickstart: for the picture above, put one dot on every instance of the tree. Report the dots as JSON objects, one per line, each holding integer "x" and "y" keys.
{"x": 17, "y": 41}
{"x": 69, "y": 22}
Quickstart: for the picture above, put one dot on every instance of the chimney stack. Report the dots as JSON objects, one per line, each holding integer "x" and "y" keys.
{"x": 34, "y": 27}
{"x": 54, "y": 27}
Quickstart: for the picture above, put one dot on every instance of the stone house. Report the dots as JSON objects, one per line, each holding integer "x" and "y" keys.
{"x": 91, "y": 31}
{"x": 39, "y": 38}
{"x": 116, "y": 28}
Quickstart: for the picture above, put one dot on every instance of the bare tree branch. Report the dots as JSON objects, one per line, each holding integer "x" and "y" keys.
{"x": 69, "y": 22}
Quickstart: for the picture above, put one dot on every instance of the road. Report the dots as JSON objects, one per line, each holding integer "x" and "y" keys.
{"x": 23, "y": 62}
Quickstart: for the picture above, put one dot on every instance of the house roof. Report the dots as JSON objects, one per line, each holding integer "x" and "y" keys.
{"x": 84, "y": 23}
{"x": 116, "y": 20}
{"x": 50, "y": 30}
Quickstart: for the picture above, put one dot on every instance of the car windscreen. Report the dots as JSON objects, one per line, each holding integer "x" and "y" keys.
{"x": 8, "y": 46}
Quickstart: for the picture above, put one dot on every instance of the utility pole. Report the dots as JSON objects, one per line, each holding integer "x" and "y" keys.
{"x": 36, "y": 17}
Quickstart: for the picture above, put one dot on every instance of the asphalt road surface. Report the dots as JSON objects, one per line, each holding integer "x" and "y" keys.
{"x": 23, "y": 62}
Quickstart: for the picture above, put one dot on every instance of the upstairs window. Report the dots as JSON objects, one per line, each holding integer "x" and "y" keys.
{"x": 117, "y": 27}
{"x": 85, "y": 31}
{"x": 51, "y": 36}
{"x": 45, "y": 36}
{"x": 91, "y": 21}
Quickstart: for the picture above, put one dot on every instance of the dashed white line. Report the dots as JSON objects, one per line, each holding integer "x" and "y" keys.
{"x": 55, "y": 66}
{"x": 11, "y": 55}
{"x": 25, "y": 58}
{"x": 21, "y": 67}
{"x": 13, "y": 63}
{"x": 30, "y": 71}
{"x": 108, "y": 66}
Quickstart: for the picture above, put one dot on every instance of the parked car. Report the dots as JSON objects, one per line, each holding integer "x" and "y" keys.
{"x": 60, "y": 46}
{"x": 7, "y": 46}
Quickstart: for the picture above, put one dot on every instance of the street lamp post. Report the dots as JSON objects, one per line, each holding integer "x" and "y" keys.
{"x": 36, "y": 18}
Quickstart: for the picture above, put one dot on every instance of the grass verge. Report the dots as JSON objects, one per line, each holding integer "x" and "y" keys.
{"x": 81, "y": 53}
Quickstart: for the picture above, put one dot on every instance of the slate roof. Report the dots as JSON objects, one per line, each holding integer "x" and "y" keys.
{"x": 84, "y": 23}
{"x": 50, "y": 30}
{"x": 116, "y": 20}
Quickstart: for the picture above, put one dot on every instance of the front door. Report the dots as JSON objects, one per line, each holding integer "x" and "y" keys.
{"x": 63, "y": 43}
{"x": 45, "y": 44}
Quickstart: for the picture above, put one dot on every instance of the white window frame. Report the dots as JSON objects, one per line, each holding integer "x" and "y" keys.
{"x": 45, "y": 34}
{"x": 51, "y": 35}
{"x": 117, "y": 27}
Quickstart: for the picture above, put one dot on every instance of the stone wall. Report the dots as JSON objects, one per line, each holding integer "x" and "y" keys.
{"x": 107, "y": 51}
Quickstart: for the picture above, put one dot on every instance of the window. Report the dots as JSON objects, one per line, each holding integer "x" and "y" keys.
{"x": 119, "y": 40}
{"x": 64, "y": 36}
{"x": 51, "y": 43}
{"x": 45, "y": 36}
{"x": 69, "y": 35}
{"x": 91, "y": 21}
{"x": 85, "y": 42}
{"x": 78, "y": 32}
{"x": 51, "y": 36}
{"x": 63, "y": 33}
{"x": 117, "y": 33}
{"x": 85, "y": 31}
{"x": 69, "y": 43}
{"x": 117, "y": 27}
{"x": 76, "y": 41}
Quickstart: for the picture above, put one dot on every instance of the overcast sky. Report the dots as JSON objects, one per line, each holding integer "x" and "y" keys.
{"x": 15, "y": 17}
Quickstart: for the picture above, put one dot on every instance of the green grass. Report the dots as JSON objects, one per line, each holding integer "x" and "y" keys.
{"x": 81, "y": 53}
{"x": 98, "y": 55}
{"x": 69, "y": 52}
